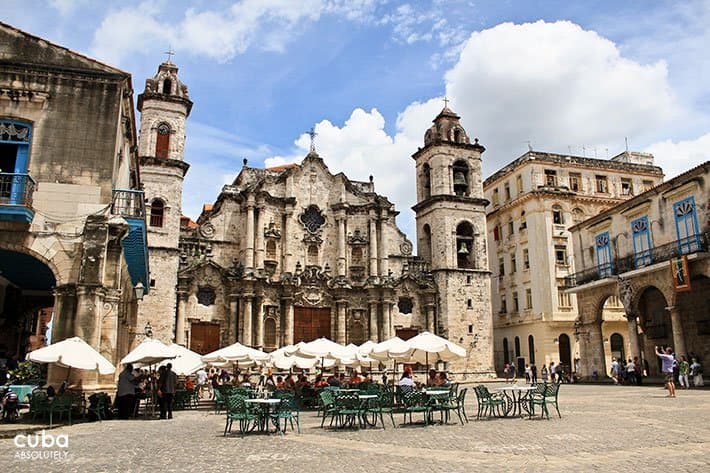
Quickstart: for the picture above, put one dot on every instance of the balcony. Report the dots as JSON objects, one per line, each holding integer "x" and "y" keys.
{"x": 16, "y": 192}
{"x": 130, "y": 204}
{"x": 693, "y": 244}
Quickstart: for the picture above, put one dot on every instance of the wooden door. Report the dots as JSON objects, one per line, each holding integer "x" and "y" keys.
{"x": 310, "y": 323}
{"x": 406, "y": 333}
{"x": 204, "y": 337}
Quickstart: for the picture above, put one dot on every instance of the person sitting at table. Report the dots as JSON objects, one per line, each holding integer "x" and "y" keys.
{"x": 442, "y": 380}
{"x": 342, "y": 380}
{"x": 302, "y": 382}
{"x": 355, "y": 379}
{"x": 290, "y": 382}
{"x": 320, "y": 382}
{"x": 366, "y": 378}
{"x": 333, "y": 380}
{"x": 189, "y": 384}
{"x": 432, "y": 380}
{"x": 245, "y": 381}
{"x": 280, "y": 383}
{"x": 406, "y": 379}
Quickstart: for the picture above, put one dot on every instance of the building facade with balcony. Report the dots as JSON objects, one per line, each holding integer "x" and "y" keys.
{"x": 651, "y": 253}
{"x": 72, "y": 228}
{"x": 533, "y": 202}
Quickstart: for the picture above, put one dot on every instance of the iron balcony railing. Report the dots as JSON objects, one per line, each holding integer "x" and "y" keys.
{"x": 692, "y": 244}
{"x": 16, "y": 189}
{"x": 128, "y": 203}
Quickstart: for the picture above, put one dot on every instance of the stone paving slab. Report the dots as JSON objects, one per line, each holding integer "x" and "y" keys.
{"x": 603, "y": 428}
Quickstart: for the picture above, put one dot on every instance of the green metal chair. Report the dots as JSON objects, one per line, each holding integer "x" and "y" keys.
{"x": 348, "y": 410}
{"x": 385, "y": 405}
{"x": 238, "y": 409}
{"x": 39, "y": 404}
{"x": 287, "y": 410}
{"x": 488, "y": 403}
{"x": 414, "y": 402}
{"x": 328, "y": 407}
{"x": 60, "y": 405}
{"x": 543, "y": 395}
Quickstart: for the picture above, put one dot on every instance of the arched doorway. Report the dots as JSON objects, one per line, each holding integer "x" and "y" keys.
{"x": 617, "y": 346}
{"x": 655, "y": 326}
{"x": 565, "y": 350}
{"x": 506, "y": 352}
{"x": 531, "y": 349}
{"x": 26, "y": 302}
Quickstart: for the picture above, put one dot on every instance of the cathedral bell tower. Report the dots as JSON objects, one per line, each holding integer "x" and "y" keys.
{"x": 164, "y": 106}
{"x": 451, "y": 237}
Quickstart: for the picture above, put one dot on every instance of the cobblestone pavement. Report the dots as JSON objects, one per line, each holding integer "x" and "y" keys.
{"x": 603, "y": 428}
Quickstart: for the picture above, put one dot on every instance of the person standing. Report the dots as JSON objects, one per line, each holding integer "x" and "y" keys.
{"x": 683, "y": 370}
{"x": 512, "y": 372}
{"x": 551, "y": 371}
{"x": 126, "y": 392}
{"x": 615, "y": 370}
{"x": 543, "y": 373}
{"x": 667, "y": 361}
{"x": 168, "y": 383}
{"x": 533, "y": 373}
{"x": 697, "y": 371}
{"x": 631, "y": 372}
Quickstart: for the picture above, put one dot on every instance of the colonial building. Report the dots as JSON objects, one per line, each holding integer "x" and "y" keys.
{"x": 296, "y": 252}
{"x": 72, "y": 228}
{"x": 650, "y": 252}
{"x": 533, "y": 202}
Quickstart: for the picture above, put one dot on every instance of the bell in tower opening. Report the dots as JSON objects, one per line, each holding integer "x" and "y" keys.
{"x": 460, "y": 170}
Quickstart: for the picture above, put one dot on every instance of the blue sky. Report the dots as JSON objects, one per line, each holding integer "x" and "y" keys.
{"x": 370, "y": 75}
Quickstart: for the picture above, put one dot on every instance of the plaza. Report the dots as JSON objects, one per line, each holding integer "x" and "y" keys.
{"x": 603, "y": 428}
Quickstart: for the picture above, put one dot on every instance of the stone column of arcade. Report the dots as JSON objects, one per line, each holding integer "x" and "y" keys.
{"x": 678, "y": 333}
{"x": 634, "y": 345}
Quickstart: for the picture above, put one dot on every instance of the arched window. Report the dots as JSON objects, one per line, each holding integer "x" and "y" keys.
{"x": 167, "y": 86}
{"x": 426, "y": 180}
{"x": 312, "y": 259}
{"x": 162, "y": 141}
{"x": 565, "y": 350}
{"x": 464, "y": 245}
{"x": 617, "y": 346}
{"x": 270, "y": 333}
{"x": 356, "y": 258}
{"x": 557, "y": 216}
{"x": 157, "y": 211}
{"x": 517, "y": 347}
{"x": 531, "y": 349}
{"x": 460, "y": 170}
{"x": 271, "y": 250}
{"x": 506, "y": 352}
{"x": 426, "y": 249}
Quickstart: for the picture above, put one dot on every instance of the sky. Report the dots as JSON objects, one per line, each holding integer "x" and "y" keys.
{"x": 370, "y": 75}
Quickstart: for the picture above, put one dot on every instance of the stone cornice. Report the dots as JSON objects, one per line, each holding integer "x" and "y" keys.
{"x": 449, "y": 198}
{"x": 164, "y": 162}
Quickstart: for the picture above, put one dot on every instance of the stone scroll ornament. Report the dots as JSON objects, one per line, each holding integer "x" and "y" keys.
{"x": 207, "y": 230}
{"x": 626, "y": 293}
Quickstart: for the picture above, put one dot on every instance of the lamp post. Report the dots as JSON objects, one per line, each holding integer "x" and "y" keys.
{"x": 148, "y": 331}
{"x": 139, "y": 289}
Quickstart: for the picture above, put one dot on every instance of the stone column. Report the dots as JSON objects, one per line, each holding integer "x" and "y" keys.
{"x": 373, "y": 244}
{"x": 341, "y": 246}
{"x": 233, "y": 331}
{"x": 181, "y": 318}
{"x": 373, "y": 322}
{"x": 259, "y": 250}
{"x": 285, "y": 250}
{"x": 342, "y": 305}
{"x": 259, "y": 332}
{"x": 678, "y": 334}
{"x": 387, "y": 319}
{"x": 382, "y": 248}
{"x": 634, "y": 346}
{"x": 596, "y": 354}
{"x": 288, "y": 320}
{"x": 430, "y": 326}
{"x": 249, "y": 263}
{"x": 88, "y": 316}
{"x": 246, "y": 331}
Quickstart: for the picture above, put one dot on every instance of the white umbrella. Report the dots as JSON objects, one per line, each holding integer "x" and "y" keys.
{"x": 321, "y": 348}
{"x": 282, "y": 360}
{"x": 237, "y": 353}
{"x": 186, "y": 361}
{"x": 367, "y": 347}
{"x": 73, "y": 353}
{"x": 427, "y": 347}
{"x": 393, "y": 349}
{"x": 149, "y": 352}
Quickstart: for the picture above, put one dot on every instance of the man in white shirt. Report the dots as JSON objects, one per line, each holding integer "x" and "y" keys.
{"x": 667, "y": 360}
{"x": 406, "y": 379}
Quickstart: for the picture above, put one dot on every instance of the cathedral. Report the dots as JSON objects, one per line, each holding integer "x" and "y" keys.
{"x": 296, "y": 252}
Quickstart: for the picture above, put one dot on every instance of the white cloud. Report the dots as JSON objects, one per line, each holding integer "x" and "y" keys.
{"x": 678, "y": 157}
{"x": 66, "y": 7}
{"x": 219, "y": 34}
{"x": 556, "y": 85}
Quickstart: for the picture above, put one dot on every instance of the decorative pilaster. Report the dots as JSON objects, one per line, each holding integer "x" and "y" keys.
{"x": 342, "y": 305}
{"x": 382, "y": 247}
{"x": 387, "y": 319}
{"x": 373, "y": 244}
{"x": 233, "y": 329}
{"x": 259, "y": 332}
{"x": 181, "y": 318}
{"x": 249, "y": 253}
{"x": 341, "y": 246}
{"x": 288, "y": 320}
{"x": 246, "y": 323}
{"x": 259, "y": 250}
{"x": 373, "y": 322}
{"x": 430, "y": 318}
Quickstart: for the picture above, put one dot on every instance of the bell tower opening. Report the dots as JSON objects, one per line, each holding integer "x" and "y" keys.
{"x": 167, "y": 86}
{"x": 460, "y": 170}
{"x": 464, "y": 246}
